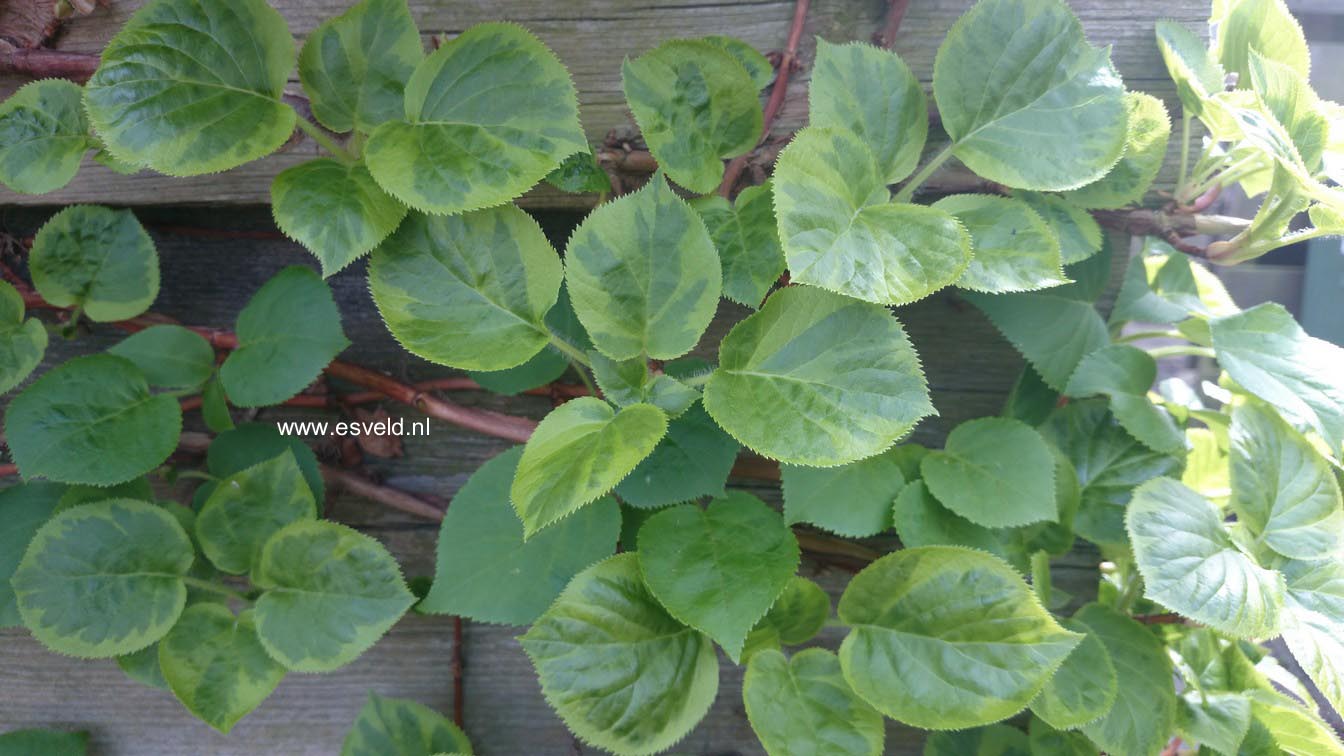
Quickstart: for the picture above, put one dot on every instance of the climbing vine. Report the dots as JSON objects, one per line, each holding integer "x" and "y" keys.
{"x": 1218, "y": 513}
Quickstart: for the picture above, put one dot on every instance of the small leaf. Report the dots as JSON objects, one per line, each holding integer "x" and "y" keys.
{"x": 869, "y": 486}
{"x": 248, "y": 507}
{"x": 1267, "y": 353}
{"x": 1006, "y": 71}
{"x": 216, "y": 666}
{"x": 631, "y": 382}
{"x": 1014, "y": 249}
{"x": 143, "y": 667}
{"x": 798, "y": 614}
{"x": 251, "y": 444}
{"x": 335, "y": 210}
{"x": 1114, "y": 369}
{"x": 841, "y": 232}
{"x": 815, "y": 378}
{"x": 804, "y": 705}
{"x": 622, "y": 674}
{"x": 1078, "y": 232}
{"x": 718, "y": 569}
{"x": 580, "y": 173}
{"x": 1163, "y": 286}
{"x": 693, "y": 460}
{"x": 1313, "y": 614}
{"x": 194, "y": 89}
{"x": 577, "y": 453}
{"x": 1197, "y": 74}
{"x": 1144, "y": 712}
{"x": 104, "y": 579}
{"x": 1295, "y": 729}
{"x": 43, "y": 136}
{"x": 488, "y": 115}
{"x": 696, "y": 105}
{"x": 922, "y": 521}
{"x": 215, "y": 407}
{"x": 1266, "y": 27}
{"x": 471, "y": 291}
{"x": 747, "y": 240}
{"x": 24, "y": 508}
{"x": 1045, "y": 740}
{"x": 91, "y": 420}
{"x": 994, "y": 471}
{"x": 329, "y": 594}
{"x": 1084, "y": 687}
{"x": 893, "y": 121}
{"x": 994, "y": 740}
{"x": 758, "y": 66}
{"x": 1054, "y": 333}
{"x": 396, "y": 725}
{"x": 995, "y": 644}
{"x": 1217, "y": 720}
{"x": 170, "y": 356}
{"x": 1145, "y": 151}
{"x": 487, "y": 572}
{"x": 643, "y": 275}
{"x": 98, "y": 259}
{"x": 354, "y": 66}
{"x": 45, "y": 742}
{"x": 22, "y": 342}
{"x": 287, "y": 333}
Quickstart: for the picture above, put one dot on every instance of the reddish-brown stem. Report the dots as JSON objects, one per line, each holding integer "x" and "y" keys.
{"x": 1166, "y": 618}
{"x": 895, "y": 14}
{"x": 8, "y": 470}
{"x": 459, "y": 688}
{"x": 787, "y": 61}
{"x": 42, "y": 63}
{"x": 390, "y": 497}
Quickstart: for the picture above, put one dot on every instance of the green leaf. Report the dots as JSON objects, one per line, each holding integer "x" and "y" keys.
{"x": 696, "y": 105}
{"x": 1287, "y": 96}
{"x": 1264, "y": 26}
{"x": 1145, "y": 151}
{"x": 815, "y": 378}
{"x": 548, "y": 364}
{"x": 577, "y": 453}
{"x": 247, "y": 508}
{"x": 1162, "y": 285}
{"x": 143, "y": 667}
{"x": 170, "y": 356}
{"x": 747, "y": 240}
{"x": 1197, "y": 74}
{"x": 216, "y": 666}
{"x": 803, "y": 705}
{"x": 869, "y": 486}
{"x": 354, "y": 66}
{"x": 995, "y": 645}
{"x": 1054, "y": 333}
{"x": 1217, "y": 720}
{"x": 486, "y": 571}
{"x": 643, "y": 275}
{"x": 631, "y": 382}
{"x": 798, "y": 614}
{"x": 1006, "y": 71}
{"x": 43, "y": 136}
{"x": 1078, "y": 232}
{"x": 1313, "y": 615}
{"x": 994, "y": 740}
{"x": 1149, "y": 423}
{"x": 922, "y": 521}
{"x": 758, "y": 66}
{"x": 580, "y": 173}
{"x": 622, "y": 674}
{"x": 91, "y": 420}
{"x": 1144, "y": 712}
{"x": 994, "y": 471}
{"x": 97, "y": 259}
{"x": 104, "y": 579}
{"x": 334, "y": 209}
{"x": 287, "y": 333}
{"x": 718, "y": 569}
{"x": 471, "y": 291}
{"x": 23, "y": 508}
{"x": 693, "y": 460}
{"x": 215, "y": 407}
{"x": 1014, "y": 248}
{"x": 251, "y": 444}
{"x": 488, "y": 115}
{"x": 1114, "y": 369}
{"x": 329, "y": 594}
{"x": 45, "y": 742}
{"x": 22, "y": 342}
{"x": 1283, "y": 490}
{"x": 1189, "y": 562}
{"x": 400, "y": 726}
{"x": 893, "y": 120}
{"x": 138, "y": 489}
{"x": 1267, "y": 353}
{"x": 1045, "y": 740}
{"x": 841, "y": 232}
{"x": 1109, "y": 463}
{"x": 1084, "y": 687}
{"x": 1295, "y": 729}
{"x": 194, "y": 89}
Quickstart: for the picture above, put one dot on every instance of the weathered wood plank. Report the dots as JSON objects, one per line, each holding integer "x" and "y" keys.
{"x": 593, "y": 38}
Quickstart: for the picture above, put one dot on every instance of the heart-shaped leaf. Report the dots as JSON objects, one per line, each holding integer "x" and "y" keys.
{"x": 841, "y": 231}
{"x": 994, "y": 471}
{"x": 98, "y": 259}
{"x": 397, "y": 725}
{"x": 747, "y": 239}
{"x": 488, "y": 115}
{"x": 104, "y": 579}
{"x": 43, "y": 136}
{"x": 22, "y": 342}
{"x": 803, "y": 704}
{"x": 216, "y": 666}
{"x": 1266, "y": 27}
{"x": 170, "y": 356}
{"x": 471, "y": 291}
{"x": 693, "y": 460}
{"x": 817, "y": 379}
{"x": 1014, "y": 249}
{"x": 922, "y": 520}
{"x": 1144, "y": 712}
{"x": 193, "y": 89}
{"x": 622, "y": 674}
{"x": 248, "y": 507}
{"x": 335, "y": 210}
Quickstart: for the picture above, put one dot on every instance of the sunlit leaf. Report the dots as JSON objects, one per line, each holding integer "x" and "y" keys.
{"x": 803, "y": 705}
{"x": 43, "y": 136}
{"x": 216, "y": 666}
{"x": 335, "y": 210}
{"x": 98, "y": 259}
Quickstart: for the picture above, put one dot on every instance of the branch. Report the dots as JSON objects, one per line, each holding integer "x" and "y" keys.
{"x": 787, "y": 62}
{"x": 41, "y": 63}
{"x": 895, "y": 14}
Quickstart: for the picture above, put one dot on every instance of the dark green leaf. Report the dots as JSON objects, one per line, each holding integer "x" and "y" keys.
{"x": 388, "y": 726}
{"x": 748, "y": 242}
{"x": 693, "y": 460}
{"x": 98, "y": 259}
{"x": 867, "y": 488}
{"x": 43, "y": 136}
{"x": 170, "y": 356}
{"x": 248, "y": 507}
{"x": 23, "y": 508}
{"x": 334, "y": 209}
